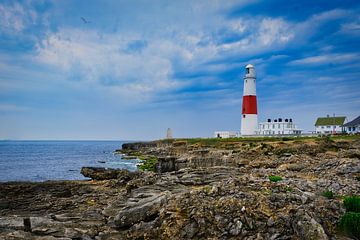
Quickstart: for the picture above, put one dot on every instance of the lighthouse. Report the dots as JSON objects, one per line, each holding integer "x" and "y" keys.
{"x": 249, "y": 118}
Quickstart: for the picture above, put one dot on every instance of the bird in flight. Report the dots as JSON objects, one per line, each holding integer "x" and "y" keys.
{"x": 84, "y": 20}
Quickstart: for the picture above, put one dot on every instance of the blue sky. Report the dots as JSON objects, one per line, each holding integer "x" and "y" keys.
{"x": 139, "y": 67}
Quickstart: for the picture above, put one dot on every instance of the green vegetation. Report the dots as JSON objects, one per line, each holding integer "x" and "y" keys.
{"x": 350, "y": 221}
{"x": 289, "y": 189}
{"x": 329, "y": 194}
{"x": 252, "y": 145}
{"x": 215, "y": 141}
{"x": 263, "y": 145}
{"x": 275, "y": 178}
{"x": 148, "y": 164}
{"x": 345, "y": 137}
{"x": 352, "y": 204}
{"x": 326, "y": 121}
{"x": 129, "y": 152}
{"x": 357, "y": 178}
{"x": 350, "y": 224}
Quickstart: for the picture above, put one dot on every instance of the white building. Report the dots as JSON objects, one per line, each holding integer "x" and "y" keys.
{"x": 278, "y": 127}
{"x": 225, "y": 134}
{"x": 353, "y": 126}
{"x": 329, "y": 125}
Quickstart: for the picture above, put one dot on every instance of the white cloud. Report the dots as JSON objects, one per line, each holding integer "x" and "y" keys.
{"x": 274, "y": 30}
{"x": 261, "y": 35}
{"x": 326, "y": 59}
{"x": 103, "y": 59}
{"x": 352, "y": 27}
{"x": 329, "y": 15}
{"x": 106, "y": 59}
{"x": 15, "y": 18}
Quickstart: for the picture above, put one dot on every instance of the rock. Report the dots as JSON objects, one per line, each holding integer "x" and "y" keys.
{"x": 126, "y": 157}
{"x": 202, "y": 191}
{"x": 307, "y": 227}
{"x": 189, "y": 231}
{"x": 270, "y": 222}
{"x": 145, "y": 210}
{"x": 4, "y": 204}
{"x": 236, "y": 228}
{"x": 12, "y": 223}
{"x": 97, "y": 173}
{"x": 295, "y": 167}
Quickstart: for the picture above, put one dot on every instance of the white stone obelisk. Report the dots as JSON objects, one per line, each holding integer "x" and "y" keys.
{"x": 169, "y": 133}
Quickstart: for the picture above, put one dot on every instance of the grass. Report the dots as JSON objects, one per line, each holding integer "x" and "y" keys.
{"x": 329, "y": 194}
{"x": 215, "y": 141}
{"x": 352, "y": 204}
{"x": 350, "y": 224}
{"x": 252, "y": 145}
{"x": 274, "y": 178}
{"x": 350, "y": 221}
{"x": 148, "y": 164}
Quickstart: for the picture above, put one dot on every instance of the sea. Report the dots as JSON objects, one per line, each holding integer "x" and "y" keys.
{"x": 39, "y": 161}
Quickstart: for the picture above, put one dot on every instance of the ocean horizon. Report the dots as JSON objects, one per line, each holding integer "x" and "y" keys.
{"x": 42, "y": 160}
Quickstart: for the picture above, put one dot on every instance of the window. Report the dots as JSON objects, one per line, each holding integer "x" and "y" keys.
{"x": 322, "y": 127}
{"x": 248, "y": 71}
{"x": 349, "y": 128}
{"x": 273, "y": 125}
{"x": 244, "y": 116}
{"x": 278, "y": 125}
{"x": 353, "y": 128}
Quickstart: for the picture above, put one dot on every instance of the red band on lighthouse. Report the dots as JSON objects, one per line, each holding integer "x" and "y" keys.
{"x": 249, "y": 105}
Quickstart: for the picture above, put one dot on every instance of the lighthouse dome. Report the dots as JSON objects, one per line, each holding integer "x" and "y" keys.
{"x": 250, "y": 71}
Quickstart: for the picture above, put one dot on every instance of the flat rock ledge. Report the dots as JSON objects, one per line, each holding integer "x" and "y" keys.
{"x": 97, "y": 173}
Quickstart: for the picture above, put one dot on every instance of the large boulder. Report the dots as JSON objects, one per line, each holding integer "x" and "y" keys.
{"x": 146, "y": 209}
{"x": 97, "y": 173}
{"x": 307, "y": 227}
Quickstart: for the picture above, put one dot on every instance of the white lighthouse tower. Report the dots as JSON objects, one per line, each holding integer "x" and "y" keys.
{"x": 249, "y": 118}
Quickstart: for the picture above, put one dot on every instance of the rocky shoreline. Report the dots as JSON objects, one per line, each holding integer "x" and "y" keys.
{"x": 199, "y": 190}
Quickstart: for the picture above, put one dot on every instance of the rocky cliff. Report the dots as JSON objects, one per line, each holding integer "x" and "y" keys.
{"x": 201, "y": 190}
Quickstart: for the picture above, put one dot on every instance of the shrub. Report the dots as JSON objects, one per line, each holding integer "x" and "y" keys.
{"x": 352, "y": 204}
{"x": 275, "y": 178}
{"x": 148, "y": 164}
{"x": 263, "y": 145}
{"x": 329, "y": 194}
{"x": 251, "y": 144}
{"x": 350, "y": 224}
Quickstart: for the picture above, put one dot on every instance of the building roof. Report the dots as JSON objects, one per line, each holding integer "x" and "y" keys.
{"x": 354, "y": 122}
{"x": 249, "y": 66}
{"x": 330, "y": 121}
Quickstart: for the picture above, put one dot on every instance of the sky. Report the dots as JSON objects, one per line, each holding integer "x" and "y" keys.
{"x": 116, "y": 69}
